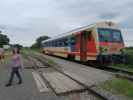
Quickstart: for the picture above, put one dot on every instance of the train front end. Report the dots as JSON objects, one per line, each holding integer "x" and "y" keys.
{"x": 110, "y": 43}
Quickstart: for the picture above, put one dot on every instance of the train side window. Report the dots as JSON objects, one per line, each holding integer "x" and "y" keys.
{"x": 49, "y": 44}
{"x": 46, "y": 44}
{"x": 56, "y": 43}
{"x": 43, "y": 45}
{"x": 53, "y": 43}
{"x": 73, "y": 40}
{"x": 60, "y": 43}
{"x": 66, "y": 42}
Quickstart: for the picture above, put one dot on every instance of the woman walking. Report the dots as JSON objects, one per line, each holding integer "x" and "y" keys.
{"x": 16, "y": 65}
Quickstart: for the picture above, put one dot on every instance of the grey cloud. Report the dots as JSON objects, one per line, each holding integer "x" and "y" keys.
{"x": 13, "y": 28}
{"x": 24, "y": 19}
{"x": 127, "y": 23}
{"x": 109, "y": 15}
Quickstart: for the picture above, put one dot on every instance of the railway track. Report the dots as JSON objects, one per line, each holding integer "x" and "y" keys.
{"x": 92, "y": 89}
{"x": 86, "y": 88}
{"x": 116, "y": 71}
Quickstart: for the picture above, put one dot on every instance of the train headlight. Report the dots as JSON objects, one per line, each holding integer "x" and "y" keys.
{"x": 122, "y": 50}
{"x": 103, "y": 49}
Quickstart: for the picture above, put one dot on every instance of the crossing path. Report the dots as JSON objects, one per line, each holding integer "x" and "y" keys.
{"x": 26, "y": 91}
{"x": 34, "y": 87}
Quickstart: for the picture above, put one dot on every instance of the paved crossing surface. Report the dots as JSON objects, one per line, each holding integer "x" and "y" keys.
{"x": 40, "y": 82}
{"x": 33, "y": 88}
{"x": 84, "y": 74}
{"x": 61, "y": 83}
{"x": 26, "y": 91}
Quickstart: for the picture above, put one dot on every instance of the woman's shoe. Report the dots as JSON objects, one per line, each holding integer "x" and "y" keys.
{"x": 20, "y": 82}
{"x": 9, "y": 84}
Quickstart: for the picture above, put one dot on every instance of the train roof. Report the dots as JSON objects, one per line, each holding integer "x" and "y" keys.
{"x": 67, "y": 33}
{"x": 99, "y": 24}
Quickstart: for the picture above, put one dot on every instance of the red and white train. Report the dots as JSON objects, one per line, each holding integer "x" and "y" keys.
{"x": 98, "y": 42}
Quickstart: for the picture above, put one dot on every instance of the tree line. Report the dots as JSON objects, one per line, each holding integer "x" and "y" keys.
{"x": 4, "y": 40}
{"x": 38, "y": 42}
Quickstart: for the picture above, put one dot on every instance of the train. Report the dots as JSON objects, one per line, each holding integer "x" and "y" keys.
{"x": 101, "y": 41}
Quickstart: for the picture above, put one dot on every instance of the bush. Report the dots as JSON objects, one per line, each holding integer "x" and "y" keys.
{"x": 129, "y": 55}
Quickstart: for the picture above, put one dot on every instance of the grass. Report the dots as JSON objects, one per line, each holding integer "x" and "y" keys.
{"x": 126, "y": 67}
{"x": 129, "y": 53}
{"x": 24, "y": 53}
{"x": 118, "y": 86}
{"x": 51, "y": 62}
{"x": 34, "y": 52}
{"x": 7, "y": 58}
{"x": 129, "y": 60}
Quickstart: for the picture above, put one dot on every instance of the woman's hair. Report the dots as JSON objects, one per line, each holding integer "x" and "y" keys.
{"x": 15, "y": 50}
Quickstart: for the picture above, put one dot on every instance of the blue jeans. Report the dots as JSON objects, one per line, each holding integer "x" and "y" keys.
{"x": 15, "y": 70}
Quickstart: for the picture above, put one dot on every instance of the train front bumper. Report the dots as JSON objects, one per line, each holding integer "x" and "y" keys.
{"x": 111, "y": 58}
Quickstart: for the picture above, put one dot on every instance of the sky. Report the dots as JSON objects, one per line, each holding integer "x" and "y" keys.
{"x": 25, "y": 20}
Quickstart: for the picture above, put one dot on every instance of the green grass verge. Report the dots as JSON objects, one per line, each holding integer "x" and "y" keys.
{"x": 51, "y": 62}
{"x": 126, "y": 67}
{"x": 129, "y": 53}
{"x": 118, "y": 86}
{"x": 48, "y": 60}
{"x": 129, "y": 60}
{"x": 7, "y": 58}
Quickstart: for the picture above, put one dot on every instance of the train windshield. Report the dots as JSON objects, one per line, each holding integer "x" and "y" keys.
{"x": 109, "y": 35}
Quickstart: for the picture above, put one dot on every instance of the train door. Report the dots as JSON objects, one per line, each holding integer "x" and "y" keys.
{"x": 83, "y": 46}
{"x": 72, "y": 43}
{"x": 91, "y": 46}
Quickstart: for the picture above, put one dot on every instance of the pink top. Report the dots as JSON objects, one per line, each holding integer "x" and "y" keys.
{"x": 16, "y": 60}
{"x": 1, "y": 51}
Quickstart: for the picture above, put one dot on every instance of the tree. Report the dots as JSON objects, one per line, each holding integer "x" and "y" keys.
{"x": 4, "y": 40}
{"x": 39, "y": 40}
{"x": 34, "y": 45}
{"x": 17, "y": 46}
